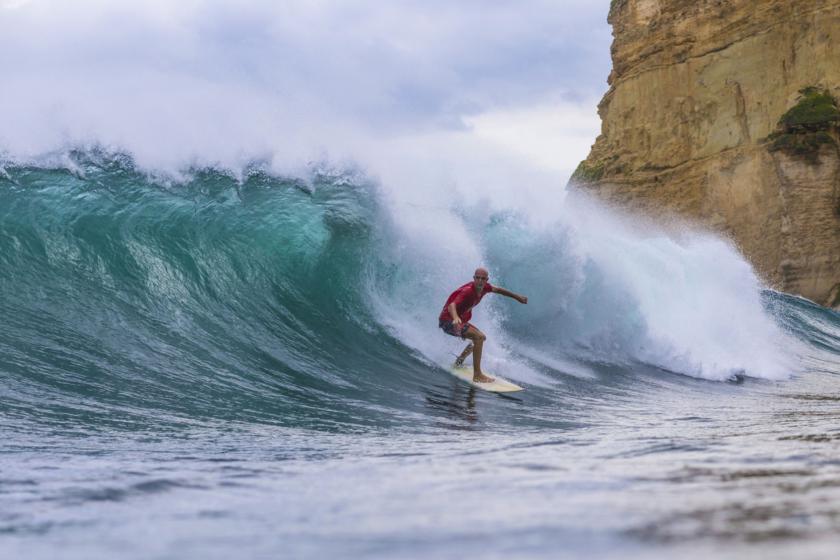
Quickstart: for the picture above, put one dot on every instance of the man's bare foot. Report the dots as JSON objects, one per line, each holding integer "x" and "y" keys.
{"x": 481, "y": 378}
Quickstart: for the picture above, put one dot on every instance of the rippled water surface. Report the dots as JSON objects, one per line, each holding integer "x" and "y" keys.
{"x": 737, "y": 469}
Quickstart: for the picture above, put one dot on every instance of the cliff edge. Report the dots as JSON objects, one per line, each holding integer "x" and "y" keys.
{"x": 726, "y": 112}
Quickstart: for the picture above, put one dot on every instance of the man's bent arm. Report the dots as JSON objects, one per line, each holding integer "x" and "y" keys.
{"x": 508, "y": 293}
{"x": 453, "y": 312}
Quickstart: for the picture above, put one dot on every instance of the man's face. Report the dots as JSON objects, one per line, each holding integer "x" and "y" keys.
{"x": 481, "y": 277}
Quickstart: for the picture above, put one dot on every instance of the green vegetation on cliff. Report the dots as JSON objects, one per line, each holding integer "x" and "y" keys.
{"x": 815, "y": 110}
{"x": 808, "y": 125}
{"x": 802, "y": 143}
{"x": 588, "y": 173}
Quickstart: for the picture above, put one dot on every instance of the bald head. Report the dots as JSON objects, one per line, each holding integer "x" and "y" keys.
{"x": 480, "y": 277}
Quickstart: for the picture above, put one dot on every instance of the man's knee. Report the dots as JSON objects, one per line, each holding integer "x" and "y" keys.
{"x": 479, "y": 336}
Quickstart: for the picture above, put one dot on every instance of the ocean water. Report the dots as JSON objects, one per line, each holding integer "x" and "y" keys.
{"x": 248, "y": 365}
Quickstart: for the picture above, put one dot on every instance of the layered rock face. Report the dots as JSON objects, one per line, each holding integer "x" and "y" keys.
{"x": 724, "y": 112}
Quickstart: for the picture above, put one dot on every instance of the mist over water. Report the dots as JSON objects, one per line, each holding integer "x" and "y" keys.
{"x": 468, "y": 163}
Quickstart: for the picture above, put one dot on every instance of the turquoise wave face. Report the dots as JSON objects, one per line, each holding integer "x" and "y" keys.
{"x": 127, "y": 297}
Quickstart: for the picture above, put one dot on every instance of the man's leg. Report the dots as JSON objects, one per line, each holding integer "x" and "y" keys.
{"x": 459, "y": 361}
{"x": 478, "y": 338}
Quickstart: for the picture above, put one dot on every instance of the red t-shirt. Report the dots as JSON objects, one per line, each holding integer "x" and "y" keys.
{"x": 465, "y": 299}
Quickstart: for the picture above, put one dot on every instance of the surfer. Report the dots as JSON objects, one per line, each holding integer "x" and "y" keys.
{"x": 456, "y": 314}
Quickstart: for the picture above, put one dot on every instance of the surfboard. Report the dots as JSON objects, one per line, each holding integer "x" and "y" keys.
{"x": 499, "y": 385}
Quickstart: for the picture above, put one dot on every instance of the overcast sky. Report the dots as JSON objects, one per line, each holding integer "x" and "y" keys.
{"x": 224, "y": 81}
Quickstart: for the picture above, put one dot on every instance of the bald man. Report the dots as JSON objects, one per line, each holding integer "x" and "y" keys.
{"x": 456, "y": 314}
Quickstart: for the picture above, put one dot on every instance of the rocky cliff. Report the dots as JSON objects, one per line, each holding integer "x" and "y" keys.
{"x": 725, "y": 112}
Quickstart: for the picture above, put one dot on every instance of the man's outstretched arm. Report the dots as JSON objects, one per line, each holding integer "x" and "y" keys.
{"x": 508, "y": 293}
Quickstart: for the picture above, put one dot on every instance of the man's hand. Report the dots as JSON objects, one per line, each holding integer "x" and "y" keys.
{"x": 522, "y": 299}
{"x": 457, "y": 322}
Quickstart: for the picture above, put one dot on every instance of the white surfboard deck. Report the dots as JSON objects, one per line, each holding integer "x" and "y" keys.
{"x": 499, "y": 385}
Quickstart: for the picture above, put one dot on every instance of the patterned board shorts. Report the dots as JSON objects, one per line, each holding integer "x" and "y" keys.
{"x": 449, "y": 328}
